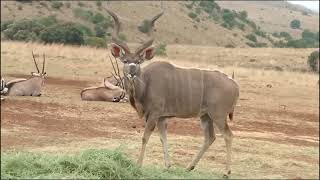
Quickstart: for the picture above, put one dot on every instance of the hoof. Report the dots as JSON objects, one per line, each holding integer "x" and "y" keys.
{"x": 226, "y": 176}
{"x": 190, "y": 168}
{"x": 168, "y": 166}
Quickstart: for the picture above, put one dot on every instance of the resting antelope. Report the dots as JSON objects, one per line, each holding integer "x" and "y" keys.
{"x": 28, "y": 87}
{"x": 161, "y": 90}
{"x": 3, "y": 87}
{"x": 105, "y": 92}
{"x": 110, "y": 90}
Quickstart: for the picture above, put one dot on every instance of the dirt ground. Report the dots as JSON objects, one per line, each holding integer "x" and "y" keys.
{"x": 276, "y": 127}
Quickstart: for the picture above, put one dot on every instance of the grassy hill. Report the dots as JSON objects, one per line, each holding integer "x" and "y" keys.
{"x": 184, "y": 22}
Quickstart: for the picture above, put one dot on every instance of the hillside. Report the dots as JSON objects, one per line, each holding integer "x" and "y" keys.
{"x": 176, "y": 26}
{"x": 275, "y": 16}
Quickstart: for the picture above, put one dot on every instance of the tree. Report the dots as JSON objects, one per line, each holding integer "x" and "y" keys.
{"x": 313, "y": 61}
{"x": 295, "y": 24}
{"x": 62, "y": 33}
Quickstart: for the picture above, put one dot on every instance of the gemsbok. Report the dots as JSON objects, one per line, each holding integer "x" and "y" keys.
{"x": 161, "y": 90}
{"x": 28, "y": 87}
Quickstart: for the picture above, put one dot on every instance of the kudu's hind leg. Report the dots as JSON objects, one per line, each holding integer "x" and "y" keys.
{"x": 209, "y": 137}
{"x": 162, "y": 128}
{"x": 148, "y": 129}
{"x": 223, "y": 126}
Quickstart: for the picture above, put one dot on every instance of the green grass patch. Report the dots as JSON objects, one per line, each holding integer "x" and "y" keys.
{"x": 88, "y": 164}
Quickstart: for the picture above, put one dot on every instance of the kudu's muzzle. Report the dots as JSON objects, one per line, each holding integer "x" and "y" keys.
{"x": 133, "y": 69}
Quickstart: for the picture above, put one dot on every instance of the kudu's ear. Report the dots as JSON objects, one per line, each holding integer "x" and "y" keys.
{"x": 149, "y": 53}
{"x": 115, "y": 50}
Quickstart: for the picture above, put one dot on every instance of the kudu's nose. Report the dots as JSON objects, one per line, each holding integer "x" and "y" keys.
{"x": 116, "y": 99}
{"x": 132, "y": 69}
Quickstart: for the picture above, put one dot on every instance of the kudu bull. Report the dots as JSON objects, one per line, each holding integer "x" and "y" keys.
{"x": 161, "y": 90}
{"x": 28, "y": 87}
{"x": 110, "y": 90}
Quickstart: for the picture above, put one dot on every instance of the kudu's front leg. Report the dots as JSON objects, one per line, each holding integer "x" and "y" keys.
{"x": 148, "y": 129}
{"x": 162, "y": 128}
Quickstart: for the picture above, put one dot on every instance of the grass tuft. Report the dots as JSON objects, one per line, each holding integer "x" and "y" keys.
{"x": 92, "y": 163}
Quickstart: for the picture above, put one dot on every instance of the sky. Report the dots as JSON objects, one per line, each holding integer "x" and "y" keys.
{"x": 313, "y": 5}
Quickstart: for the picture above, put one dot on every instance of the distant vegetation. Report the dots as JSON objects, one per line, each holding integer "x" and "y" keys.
{"x": 161, "y": 49}
{"x": 295, "y": 24}
{"x": 229, "y": 19}
{"x": 144, "y": 27}
{"x": 308, "y": 40}
{"x": 313, "y": 61}
{"x": 56, "y": 4}
{"x": 52, "y": 30}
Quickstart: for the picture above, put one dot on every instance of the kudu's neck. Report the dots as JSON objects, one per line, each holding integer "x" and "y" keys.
{"x": 134, "y": 87}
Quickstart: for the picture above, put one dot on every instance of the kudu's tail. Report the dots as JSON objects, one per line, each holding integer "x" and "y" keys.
{"x": 231, "y": 114}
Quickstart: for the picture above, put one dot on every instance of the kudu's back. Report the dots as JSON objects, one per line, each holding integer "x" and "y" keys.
{"x": 178, "y": 92}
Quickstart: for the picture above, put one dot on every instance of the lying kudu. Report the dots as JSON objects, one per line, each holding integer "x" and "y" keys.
{"x": 106, "y": 92}
{"x": 28, "y": 87}
{"x": 110, "y": 90}
{"x": 161, "y": 90}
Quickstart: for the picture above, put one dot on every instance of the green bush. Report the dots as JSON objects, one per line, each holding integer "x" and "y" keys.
{"x": 208, "y": 6}
{"x": 300, "y": 43}
{"x": 243, "y": 15}
{"x": 307, "y": 34}
{"x": 285, "y": 35}
{"x": 251, "y": 37}
{"x": 84, "y": 29}
{"x": 260, "y": 33}
{"x": 144, "y": 27}
{"x": 313, "y": 61}
{"x": 56, "y": 4}
{"x": 228, "y": 18}
{"x": 83, "y": 14}
{"x": 24, "y": 1}
{"x": 27, "y": 25}
{"x": 161, "y": 49}
{"x": 295, "y": 24}
{"x": 62, "y": 33}
{"x": 95, "y": 42}
{"x": 189, "y": 6}
{"x": 99, "y": 3}
{"x": 5, "y": 24}
{"x": 97, "y": 18}
{"x": 48, "y": 21}
{"x": 256, "y": 44}
{"x": 192, "y": 15}
{"x": 100, "y": 30}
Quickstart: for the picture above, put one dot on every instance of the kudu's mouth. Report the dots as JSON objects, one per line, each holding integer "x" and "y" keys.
{"x": 131, "y": 76}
